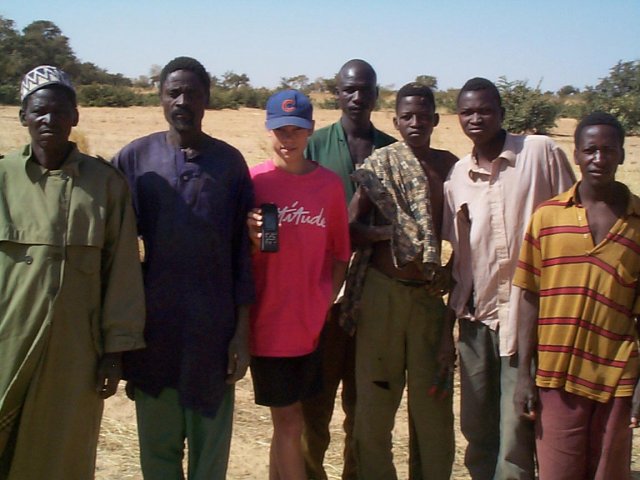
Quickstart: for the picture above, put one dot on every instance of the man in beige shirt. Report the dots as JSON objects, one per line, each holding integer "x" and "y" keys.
{"x": 489, "y": 196}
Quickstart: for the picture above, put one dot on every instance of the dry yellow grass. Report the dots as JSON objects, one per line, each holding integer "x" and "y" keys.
{"x": 103, "y": 131}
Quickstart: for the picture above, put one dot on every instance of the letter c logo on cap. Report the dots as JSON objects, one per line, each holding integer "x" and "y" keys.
{"x": 289, "y": 105}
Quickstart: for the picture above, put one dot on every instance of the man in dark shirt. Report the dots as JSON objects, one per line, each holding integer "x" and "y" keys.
{"x": 191, "y": 194}
{"x": 341, "y": 147}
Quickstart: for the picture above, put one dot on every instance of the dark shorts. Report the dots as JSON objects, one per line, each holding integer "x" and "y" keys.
{"x": 283, "y": 381}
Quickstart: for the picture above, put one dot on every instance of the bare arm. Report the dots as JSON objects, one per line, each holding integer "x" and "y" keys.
{"x": 338, "y": 275}
{"x": 238, "y": 352}
{"x": 446, "y": 357}
{"x": 525, "y": 398}
{"x": 635, "y": 402}
{"x": 362, "y": 233}
{"x": 447, "y": 352}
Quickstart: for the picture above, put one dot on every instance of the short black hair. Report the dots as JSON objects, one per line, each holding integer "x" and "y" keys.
{"x": 186, "y": 63}
{"x": 479, "y": 83}
{"x": 599, "y": 118}
{"x": 414, "y": 89}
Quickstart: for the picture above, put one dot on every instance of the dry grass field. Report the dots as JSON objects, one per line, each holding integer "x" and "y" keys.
{"x": 103, "y": 131}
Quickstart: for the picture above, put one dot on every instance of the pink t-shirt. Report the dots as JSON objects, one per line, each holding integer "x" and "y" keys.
{"x": 294, "y": 285}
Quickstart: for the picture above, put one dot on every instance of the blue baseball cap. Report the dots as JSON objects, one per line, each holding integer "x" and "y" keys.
{"x": 289, "y": 107}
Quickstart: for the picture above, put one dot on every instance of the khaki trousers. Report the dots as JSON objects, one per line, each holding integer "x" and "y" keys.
{"x": 398, "y": 337}
{"x": 338, "y": 364}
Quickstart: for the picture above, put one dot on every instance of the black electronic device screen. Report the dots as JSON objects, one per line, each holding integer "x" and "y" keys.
{"x": 269, "y": 240}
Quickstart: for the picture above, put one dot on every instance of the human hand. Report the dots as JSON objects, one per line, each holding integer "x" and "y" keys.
{"x": 442, "y": 384}
{"x": 238, "y": 358}
{"x": 254, "y": 223}
{"x": 109, "y": 374}
{"x": 635, "y": 407}
{"x": 525, "y": 398}
{"x": 441, "y": 283}
{"x": 446, "y": 356}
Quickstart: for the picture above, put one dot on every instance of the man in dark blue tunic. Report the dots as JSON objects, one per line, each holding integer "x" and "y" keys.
{"x": 191, "y": 195}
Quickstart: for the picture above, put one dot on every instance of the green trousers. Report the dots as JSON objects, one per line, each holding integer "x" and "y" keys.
{"x": 163, "y": 427}
{"x": 399, "y": 331}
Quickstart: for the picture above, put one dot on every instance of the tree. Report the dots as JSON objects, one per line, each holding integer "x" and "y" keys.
{"x": 42, "y": 43}
{"x": 568, "y": 90}
{"x": 447, "y": 100}
{"x": 142, "y": 82}
{"x": 618, "y": 94}
{"x": 232, "y": 80}
{"x": 9, "y": 58}
{"x": 298, "y": 82}
{"x": 428, "y": 80}
{"x": 154, "y": 74}
{"x": 526, "y": 109}
{"x": 623, "y": 79}
{"x": 88, "y": 73}
{"x": 324, "y": 85}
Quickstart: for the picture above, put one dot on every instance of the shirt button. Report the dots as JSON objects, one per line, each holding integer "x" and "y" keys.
{"x": 185, "y": 178}
{"x": 28, "y": 260}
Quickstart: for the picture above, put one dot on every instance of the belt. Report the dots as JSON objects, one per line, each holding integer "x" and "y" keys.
{"x": 403, "y": 281}
{"x": 411, "y": 283}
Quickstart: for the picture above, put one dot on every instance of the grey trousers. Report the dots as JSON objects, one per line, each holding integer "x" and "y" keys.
{"x": 501, "y": 445}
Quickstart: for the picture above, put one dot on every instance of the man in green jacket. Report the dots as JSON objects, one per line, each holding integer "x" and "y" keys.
{"x": 341, "y": 147}
{"x": 71, "y": 298}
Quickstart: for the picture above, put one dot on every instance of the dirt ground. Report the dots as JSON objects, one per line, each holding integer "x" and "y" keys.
{"x": 103, "y": 131}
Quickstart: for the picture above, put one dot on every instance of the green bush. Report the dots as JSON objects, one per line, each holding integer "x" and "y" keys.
{"x": 329, "y": 103}
{"x": 253, "y": 97}
{"x": 626, "y": 108}
{"x": 572, "y": 109}
{"x": 147, "y": 99}
{"x": 220, "y": 98}
{"x": 526, "y": 109}
{"x": 242, "y": 96}
{"x": 9, "y": 95}
{"x": 96, "y": 95}
{"x": 446, "y": 101}
{"x": 618, "y": 94}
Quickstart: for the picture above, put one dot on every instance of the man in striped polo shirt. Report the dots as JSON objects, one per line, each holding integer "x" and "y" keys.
{"x": 578, "y": 279}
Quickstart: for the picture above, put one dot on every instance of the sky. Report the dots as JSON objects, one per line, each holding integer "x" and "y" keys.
{"x": 547, "y": 43}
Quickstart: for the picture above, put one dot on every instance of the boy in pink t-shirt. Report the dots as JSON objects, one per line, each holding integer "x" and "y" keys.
{"x": 296, "y": 285}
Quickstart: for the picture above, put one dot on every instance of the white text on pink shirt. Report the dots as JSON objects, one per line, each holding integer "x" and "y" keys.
{"x": 299, "y": 216}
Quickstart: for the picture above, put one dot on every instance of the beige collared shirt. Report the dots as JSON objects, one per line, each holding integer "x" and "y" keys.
{"x": 485, "y": 217}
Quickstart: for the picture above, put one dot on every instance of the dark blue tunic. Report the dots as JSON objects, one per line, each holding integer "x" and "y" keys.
{"x": 192, "y": 218}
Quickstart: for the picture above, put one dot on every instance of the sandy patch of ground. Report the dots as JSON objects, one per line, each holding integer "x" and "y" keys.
{"x": 103, "y": 131}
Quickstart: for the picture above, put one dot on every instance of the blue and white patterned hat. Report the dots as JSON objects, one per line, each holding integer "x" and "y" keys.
{"x": 43, "y": 76}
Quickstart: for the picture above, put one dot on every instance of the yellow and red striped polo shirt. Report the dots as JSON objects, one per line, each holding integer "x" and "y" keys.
{"x": 587, "y": 337}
